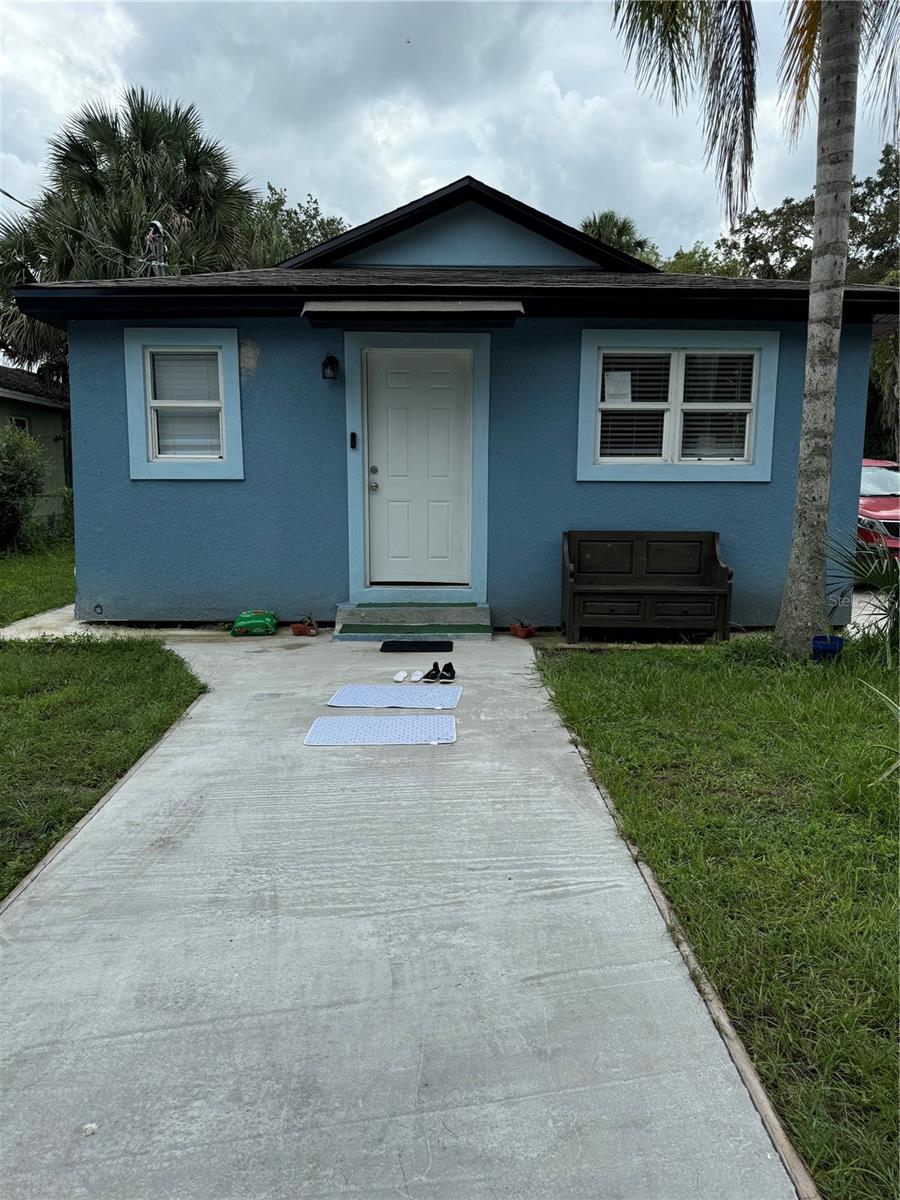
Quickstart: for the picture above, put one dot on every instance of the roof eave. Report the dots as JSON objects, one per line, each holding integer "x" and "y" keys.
{"x": 58, "y": 307}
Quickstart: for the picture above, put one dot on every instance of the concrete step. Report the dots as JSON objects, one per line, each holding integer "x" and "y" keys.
{"x": 395, "y": 622}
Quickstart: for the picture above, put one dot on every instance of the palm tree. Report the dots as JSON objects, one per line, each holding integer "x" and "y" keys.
{"x": 709, "y": 47}
{"x": 618, "y": 230}
{"x": 112, "y": 172}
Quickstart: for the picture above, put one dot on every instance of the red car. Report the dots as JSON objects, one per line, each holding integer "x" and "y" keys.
{"x": 879, "y": 504}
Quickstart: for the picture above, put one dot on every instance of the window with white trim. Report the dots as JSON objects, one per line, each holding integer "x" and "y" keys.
{"x": 184, "y": 403}
{"x": 183, "y": 396}
{"x": 673, "y": 405}
{"x": 23, "y": 423}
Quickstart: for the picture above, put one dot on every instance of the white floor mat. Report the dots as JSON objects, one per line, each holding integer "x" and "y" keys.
{"x": 396, "y": 695}
{"x": 411, "y": 730}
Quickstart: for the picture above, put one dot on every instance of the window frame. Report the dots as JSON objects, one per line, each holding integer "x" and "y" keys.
{"x": 25, "y": 426}
{"x": 153, "y": 405}
{"x": 755, "y": 466}
{"x": 145, "y": 460}
{"x": 675, "y": 406}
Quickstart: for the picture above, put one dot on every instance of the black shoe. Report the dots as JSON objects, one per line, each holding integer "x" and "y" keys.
{"x": 447, "y": 674}
{"x": 433, "y": 675}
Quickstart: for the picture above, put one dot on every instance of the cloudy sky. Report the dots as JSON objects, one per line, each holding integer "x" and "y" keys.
{"x": 368, "y": 105}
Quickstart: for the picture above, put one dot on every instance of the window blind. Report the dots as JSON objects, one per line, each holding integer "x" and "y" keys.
{"x": 188, "y": 432}
{"x": 635, "y": 378}
{"x": 718, "y": 378}
{"x": 713, "y": 434}
{"x": 631, "y": 434}
{"x": 189, "y": 378}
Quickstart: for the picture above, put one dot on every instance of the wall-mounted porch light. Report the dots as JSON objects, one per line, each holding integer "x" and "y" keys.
{"x": 330, "y": 367}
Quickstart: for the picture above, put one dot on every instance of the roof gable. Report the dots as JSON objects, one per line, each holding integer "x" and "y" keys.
{"x": 466, "y": 236}
{"x": 467, "y": 224}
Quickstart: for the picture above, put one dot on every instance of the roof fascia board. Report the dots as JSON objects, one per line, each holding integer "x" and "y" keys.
{"x": 29, "y": 398}
{"x": 57, "y": 310}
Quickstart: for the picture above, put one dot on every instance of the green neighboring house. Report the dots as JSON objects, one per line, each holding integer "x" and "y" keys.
{"x": 44, "y": 413}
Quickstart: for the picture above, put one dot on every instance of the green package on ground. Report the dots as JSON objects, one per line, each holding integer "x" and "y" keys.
{"x": 254, "y": 622}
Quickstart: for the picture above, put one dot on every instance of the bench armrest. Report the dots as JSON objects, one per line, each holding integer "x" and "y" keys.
{"x": 568, "y": 566}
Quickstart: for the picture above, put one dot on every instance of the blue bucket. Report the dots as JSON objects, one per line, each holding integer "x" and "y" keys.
{"x": 826, "y": 647}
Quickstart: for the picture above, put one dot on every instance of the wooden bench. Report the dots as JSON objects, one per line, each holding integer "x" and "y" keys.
{"x": 615, "y": 579}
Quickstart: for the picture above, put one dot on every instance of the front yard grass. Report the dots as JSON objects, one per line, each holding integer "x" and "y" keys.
{"x": 74, "y": 715}
{"x": 747, "y": 785}
{"x": 33, "y": 583}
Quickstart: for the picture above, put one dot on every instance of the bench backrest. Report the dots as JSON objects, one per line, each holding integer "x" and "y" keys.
{"x": 644, "y": 559}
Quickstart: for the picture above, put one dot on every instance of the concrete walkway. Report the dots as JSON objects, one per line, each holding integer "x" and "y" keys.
{"x": 266, "y": 972}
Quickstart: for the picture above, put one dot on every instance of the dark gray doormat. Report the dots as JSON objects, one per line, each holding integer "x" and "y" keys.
{"x": 422, "y": 646}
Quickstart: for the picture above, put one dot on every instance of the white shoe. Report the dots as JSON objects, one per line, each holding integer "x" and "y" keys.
{"x": 416, "y": 677}
{"x": 400, "y": 676}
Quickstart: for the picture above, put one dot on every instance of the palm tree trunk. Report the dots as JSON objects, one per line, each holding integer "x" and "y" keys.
{"x": 803, "y": 611}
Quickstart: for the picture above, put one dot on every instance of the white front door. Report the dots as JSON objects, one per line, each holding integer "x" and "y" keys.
{"x": 419, "y": 465}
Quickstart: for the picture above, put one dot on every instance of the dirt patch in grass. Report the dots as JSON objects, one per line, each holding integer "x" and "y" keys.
{"x": 748, "y": 786}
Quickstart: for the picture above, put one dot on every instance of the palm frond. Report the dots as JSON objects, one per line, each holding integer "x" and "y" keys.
{"x": 660, "y": 38}
{"x": 799, "y": 66}
{"x": 880, "y": 50}
{"x": 680, "y": 47}
{"x": 615, "y": 229}
{"x": 729, "y": 53}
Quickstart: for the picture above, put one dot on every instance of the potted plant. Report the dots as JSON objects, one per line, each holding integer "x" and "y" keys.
{"x": 306, "y": 627}
{"x": 523, "y": 628}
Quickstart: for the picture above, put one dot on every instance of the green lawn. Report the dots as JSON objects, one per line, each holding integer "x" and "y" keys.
{"x": 74, "y": 715}
{"x": 32, "y": 583}
{"x": 748, "y": 786}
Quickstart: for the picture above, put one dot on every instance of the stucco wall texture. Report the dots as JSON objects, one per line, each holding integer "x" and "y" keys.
{"x": 196, "y": 550}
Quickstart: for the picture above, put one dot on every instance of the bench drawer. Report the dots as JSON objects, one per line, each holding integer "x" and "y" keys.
{"x": 676, "y": 608}
{"x": 611, "y": 608}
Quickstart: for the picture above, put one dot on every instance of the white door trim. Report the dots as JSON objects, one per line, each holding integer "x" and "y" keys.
{"x": 355, "y": 344}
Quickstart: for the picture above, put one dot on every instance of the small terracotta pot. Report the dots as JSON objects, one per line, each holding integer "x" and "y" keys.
{"x": 523, "y": 631}
{"x": 305, "y": 628}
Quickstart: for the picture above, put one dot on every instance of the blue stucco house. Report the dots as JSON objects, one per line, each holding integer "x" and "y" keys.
{"x": 415, "y": 410}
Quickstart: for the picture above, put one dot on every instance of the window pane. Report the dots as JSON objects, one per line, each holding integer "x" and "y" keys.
{"x": 190, "y": 432}
{"x": 631, "y": 434}
{"x": 718, "y": 378}
{"x": 190, "y": 377}
{"x": 714, "y": 435}
{"x": 635, "y": 378}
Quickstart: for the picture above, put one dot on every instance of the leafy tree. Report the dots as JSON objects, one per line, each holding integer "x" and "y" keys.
{"x": 776, "y": 243}
{"x": 23, "y": 470}
{"x": 874, "y": 240}
{"x": 112, "y": 172}
{"x": 703, "y": 260}
{"x": 277, "y": 231}
{"x": 619, "y": 231}
{"x": 709, "y": 48}
{"x": 883, "y": 416}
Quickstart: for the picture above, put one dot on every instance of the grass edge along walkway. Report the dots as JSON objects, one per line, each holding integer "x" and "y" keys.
{"x": 747, "y": 785}
{"x": 75, "y": 715}
{"x": 34, "y": 583}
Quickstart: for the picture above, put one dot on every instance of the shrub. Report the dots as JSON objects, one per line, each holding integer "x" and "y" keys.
{"x": 45, "y": 533}
{"x": 22, "y": 473}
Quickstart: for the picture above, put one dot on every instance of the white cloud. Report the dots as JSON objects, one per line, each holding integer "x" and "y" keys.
{"x": 369, "y": 105}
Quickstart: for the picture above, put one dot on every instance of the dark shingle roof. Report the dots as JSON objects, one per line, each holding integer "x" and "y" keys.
{"x": 544, "y": 291}
{"x": 14, "y": 379}
{"x": 434, "y": 280}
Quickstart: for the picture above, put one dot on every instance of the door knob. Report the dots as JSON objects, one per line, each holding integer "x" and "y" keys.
{"x": 373, "y": 486}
